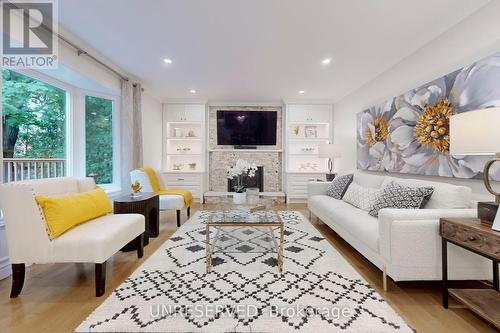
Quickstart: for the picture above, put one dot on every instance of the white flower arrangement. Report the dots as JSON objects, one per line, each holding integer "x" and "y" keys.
{"x": 241, "y": 168}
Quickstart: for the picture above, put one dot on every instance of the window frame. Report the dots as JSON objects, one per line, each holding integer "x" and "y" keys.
{"x": 75, "y": 127}
{"x": 116, "y": 184}
{"x": 70, "y": 93}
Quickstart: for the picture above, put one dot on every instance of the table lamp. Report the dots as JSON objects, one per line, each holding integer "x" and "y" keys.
{"x": 329, "y": 151}
{"x": 478, "y": 133}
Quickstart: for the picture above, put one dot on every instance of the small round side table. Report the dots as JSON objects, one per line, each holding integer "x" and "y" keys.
{"x": 146, "y": 204}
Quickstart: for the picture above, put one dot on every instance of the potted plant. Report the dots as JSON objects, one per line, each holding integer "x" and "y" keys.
{"x": 237, "y": 171}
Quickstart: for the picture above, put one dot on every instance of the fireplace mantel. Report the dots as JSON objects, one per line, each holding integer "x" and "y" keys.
{"x": 220, "y": 157}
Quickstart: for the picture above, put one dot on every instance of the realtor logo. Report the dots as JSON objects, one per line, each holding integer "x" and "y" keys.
{"x": 29, "y": 34}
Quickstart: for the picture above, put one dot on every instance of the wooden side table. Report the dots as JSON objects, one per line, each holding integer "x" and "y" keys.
{"x": 471, "y": 235}
{"x": 148, "y": 205}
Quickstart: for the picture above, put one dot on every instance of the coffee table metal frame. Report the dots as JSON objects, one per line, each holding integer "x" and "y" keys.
{"x": 271, "y": 225}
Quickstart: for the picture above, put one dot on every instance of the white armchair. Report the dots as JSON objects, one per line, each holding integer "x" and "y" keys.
{"x": 167, "y": 201}
{"x": 91, "y": 242}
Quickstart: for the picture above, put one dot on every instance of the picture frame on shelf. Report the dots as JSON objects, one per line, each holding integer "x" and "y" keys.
{"x": 311, "y": 132}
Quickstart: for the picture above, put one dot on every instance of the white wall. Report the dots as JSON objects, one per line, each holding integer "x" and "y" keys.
{"x": 472, "y": 39}
{"x": 151, "y": 131}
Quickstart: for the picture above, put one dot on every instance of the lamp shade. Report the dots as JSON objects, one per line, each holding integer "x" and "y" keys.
{"x": 475, "y": 132}
{"x": 328, "y": 151}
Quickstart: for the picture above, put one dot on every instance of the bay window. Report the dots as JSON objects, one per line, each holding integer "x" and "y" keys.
{"x": 51, "y": 129}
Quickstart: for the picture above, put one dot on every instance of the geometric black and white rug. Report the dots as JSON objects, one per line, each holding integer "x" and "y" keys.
{"x": 318, "y": 290}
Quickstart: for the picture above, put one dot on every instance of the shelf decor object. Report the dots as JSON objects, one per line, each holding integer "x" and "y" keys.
{"x": 136, "y": 189}
{"x": 309, "y": 126}
{"x": 183, "y": 158}
{"x": 329, "y": 151}
{"x": 477, "y": 133}
{"x": 311, "y": 132}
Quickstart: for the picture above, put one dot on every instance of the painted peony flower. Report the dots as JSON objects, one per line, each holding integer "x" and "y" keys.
{"x": 373, "y": 130}
{"x": 419, "y": 130}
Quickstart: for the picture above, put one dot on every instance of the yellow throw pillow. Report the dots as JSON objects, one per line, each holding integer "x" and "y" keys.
{"x": 64, "y": 213}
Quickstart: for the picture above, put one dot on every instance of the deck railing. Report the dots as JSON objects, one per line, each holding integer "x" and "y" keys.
{"x": 33, "y": 168}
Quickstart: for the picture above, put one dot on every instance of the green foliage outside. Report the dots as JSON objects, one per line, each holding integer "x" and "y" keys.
{"x": 34, "y": 124}
{"x": 34, "y": 118}
{"x": 99, "y": 139}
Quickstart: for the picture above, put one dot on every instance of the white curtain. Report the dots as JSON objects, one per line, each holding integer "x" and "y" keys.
{"x": 130, "y": 131}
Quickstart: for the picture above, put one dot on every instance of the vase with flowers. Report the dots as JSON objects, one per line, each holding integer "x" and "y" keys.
{"x": 238, "y": 171}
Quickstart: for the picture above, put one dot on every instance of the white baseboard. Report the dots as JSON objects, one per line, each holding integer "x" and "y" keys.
{"x": 5, "y": 268}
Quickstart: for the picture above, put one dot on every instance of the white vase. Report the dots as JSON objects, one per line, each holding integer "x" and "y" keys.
{"x": 239, "y": 198}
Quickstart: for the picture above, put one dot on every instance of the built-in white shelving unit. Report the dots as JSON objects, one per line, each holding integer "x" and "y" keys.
{"x": 184, "y": 144}
{"x": 306, "y": 127}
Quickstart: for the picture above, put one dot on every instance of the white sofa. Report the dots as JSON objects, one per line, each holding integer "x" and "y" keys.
{"x": 91, "y": 242}
{"x": 403, "y": 243}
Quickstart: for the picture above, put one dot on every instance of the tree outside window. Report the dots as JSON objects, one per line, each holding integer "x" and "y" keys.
{"x": 34, "y": 118}
{"x": 99, "y": 139}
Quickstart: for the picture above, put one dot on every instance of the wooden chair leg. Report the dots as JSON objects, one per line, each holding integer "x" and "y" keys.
{"x": 139, "y": 240}
{"x": 189, "y": 211}
{"x": 178, "y": 218}
{"x": 384, "y": 278}
{"x": 100, "y": 279}
{"x": 18, "y": 273}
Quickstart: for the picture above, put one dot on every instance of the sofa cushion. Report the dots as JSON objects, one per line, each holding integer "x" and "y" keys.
{"x": 444, "y": 196}
{"x": 338, "y": 186}
{"x": 396, "y": 196}
{"x": 361, "y": 197}
{"x": 171, "y": 201}
{"x": 360, "y": 225}
{"x": 97, "y": 240}
{"x": 353, "y": 220}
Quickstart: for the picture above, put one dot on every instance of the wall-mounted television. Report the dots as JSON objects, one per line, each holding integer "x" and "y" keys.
{"x": 246, "y": 128}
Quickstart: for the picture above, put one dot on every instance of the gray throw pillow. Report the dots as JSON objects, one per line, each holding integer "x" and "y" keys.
{"x": 339, "y": 185}
{"x": 398, "y": 196}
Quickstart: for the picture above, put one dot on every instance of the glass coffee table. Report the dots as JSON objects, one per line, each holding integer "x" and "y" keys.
{"x": 244, "y": 229}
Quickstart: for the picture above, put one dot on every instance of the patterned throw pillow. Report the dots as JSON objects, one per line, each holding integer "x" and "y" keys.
{"x": 339, "y": 185}
{"x": 361, "y": 197}
{"x": 397, "y": 196}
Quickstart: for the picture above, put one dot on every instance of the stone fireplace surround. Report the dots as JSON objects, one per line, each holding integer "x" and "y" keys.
{"x": 269, "y": 157}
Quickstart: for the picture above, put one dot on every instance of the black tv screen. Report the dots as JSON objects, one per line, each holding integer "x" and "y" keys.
{"x": 246, "y": 128}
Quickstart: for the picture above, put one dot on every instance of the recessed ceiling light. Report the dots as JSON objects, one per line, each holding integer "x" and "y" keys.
{"x": 326, "y": 61}
{"x": 192, "y": 91}
{"x": 302, "y": 92}
{"x": 167, "y": 61}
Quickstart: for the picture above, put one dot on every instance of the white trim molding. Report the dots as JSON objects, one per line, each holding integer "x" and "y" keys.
{"x": 228, "y": 103}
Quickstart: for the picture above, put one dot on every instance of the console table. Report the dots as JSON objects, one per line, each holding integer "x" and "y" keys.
{"x": 146, "y": 204}
{"x": 471, "y": 235}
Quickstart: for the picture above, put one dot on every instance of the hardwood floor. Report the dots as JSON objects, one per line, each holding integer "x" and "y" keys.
{"x": 56, "y": 298}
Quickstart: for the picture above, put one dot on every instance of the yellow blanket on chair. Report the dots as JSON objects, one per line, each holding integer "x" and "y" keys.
{"x": 155, "y": 184}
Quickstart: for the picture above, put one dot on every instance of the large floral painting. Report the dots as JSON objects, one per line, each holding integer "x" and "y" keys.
{"x": 410, "y": 133}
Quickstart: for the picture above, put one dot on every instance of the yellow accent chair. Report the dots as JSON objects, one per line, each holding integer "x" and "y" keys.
{"x": 170, "y": 199}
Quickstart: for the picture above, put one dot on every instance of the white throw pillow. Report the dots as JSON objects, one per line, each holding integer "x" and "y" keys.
{"x": 361, "y": 197}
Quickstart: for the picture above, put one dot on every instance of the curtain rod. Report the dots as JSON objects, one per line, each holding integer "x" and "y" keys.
{"x": 78, "y": 49}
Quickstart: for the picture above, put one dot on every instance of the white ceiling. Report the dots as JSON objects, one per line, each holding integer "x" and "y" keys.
{"x": 259, "y": 50}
